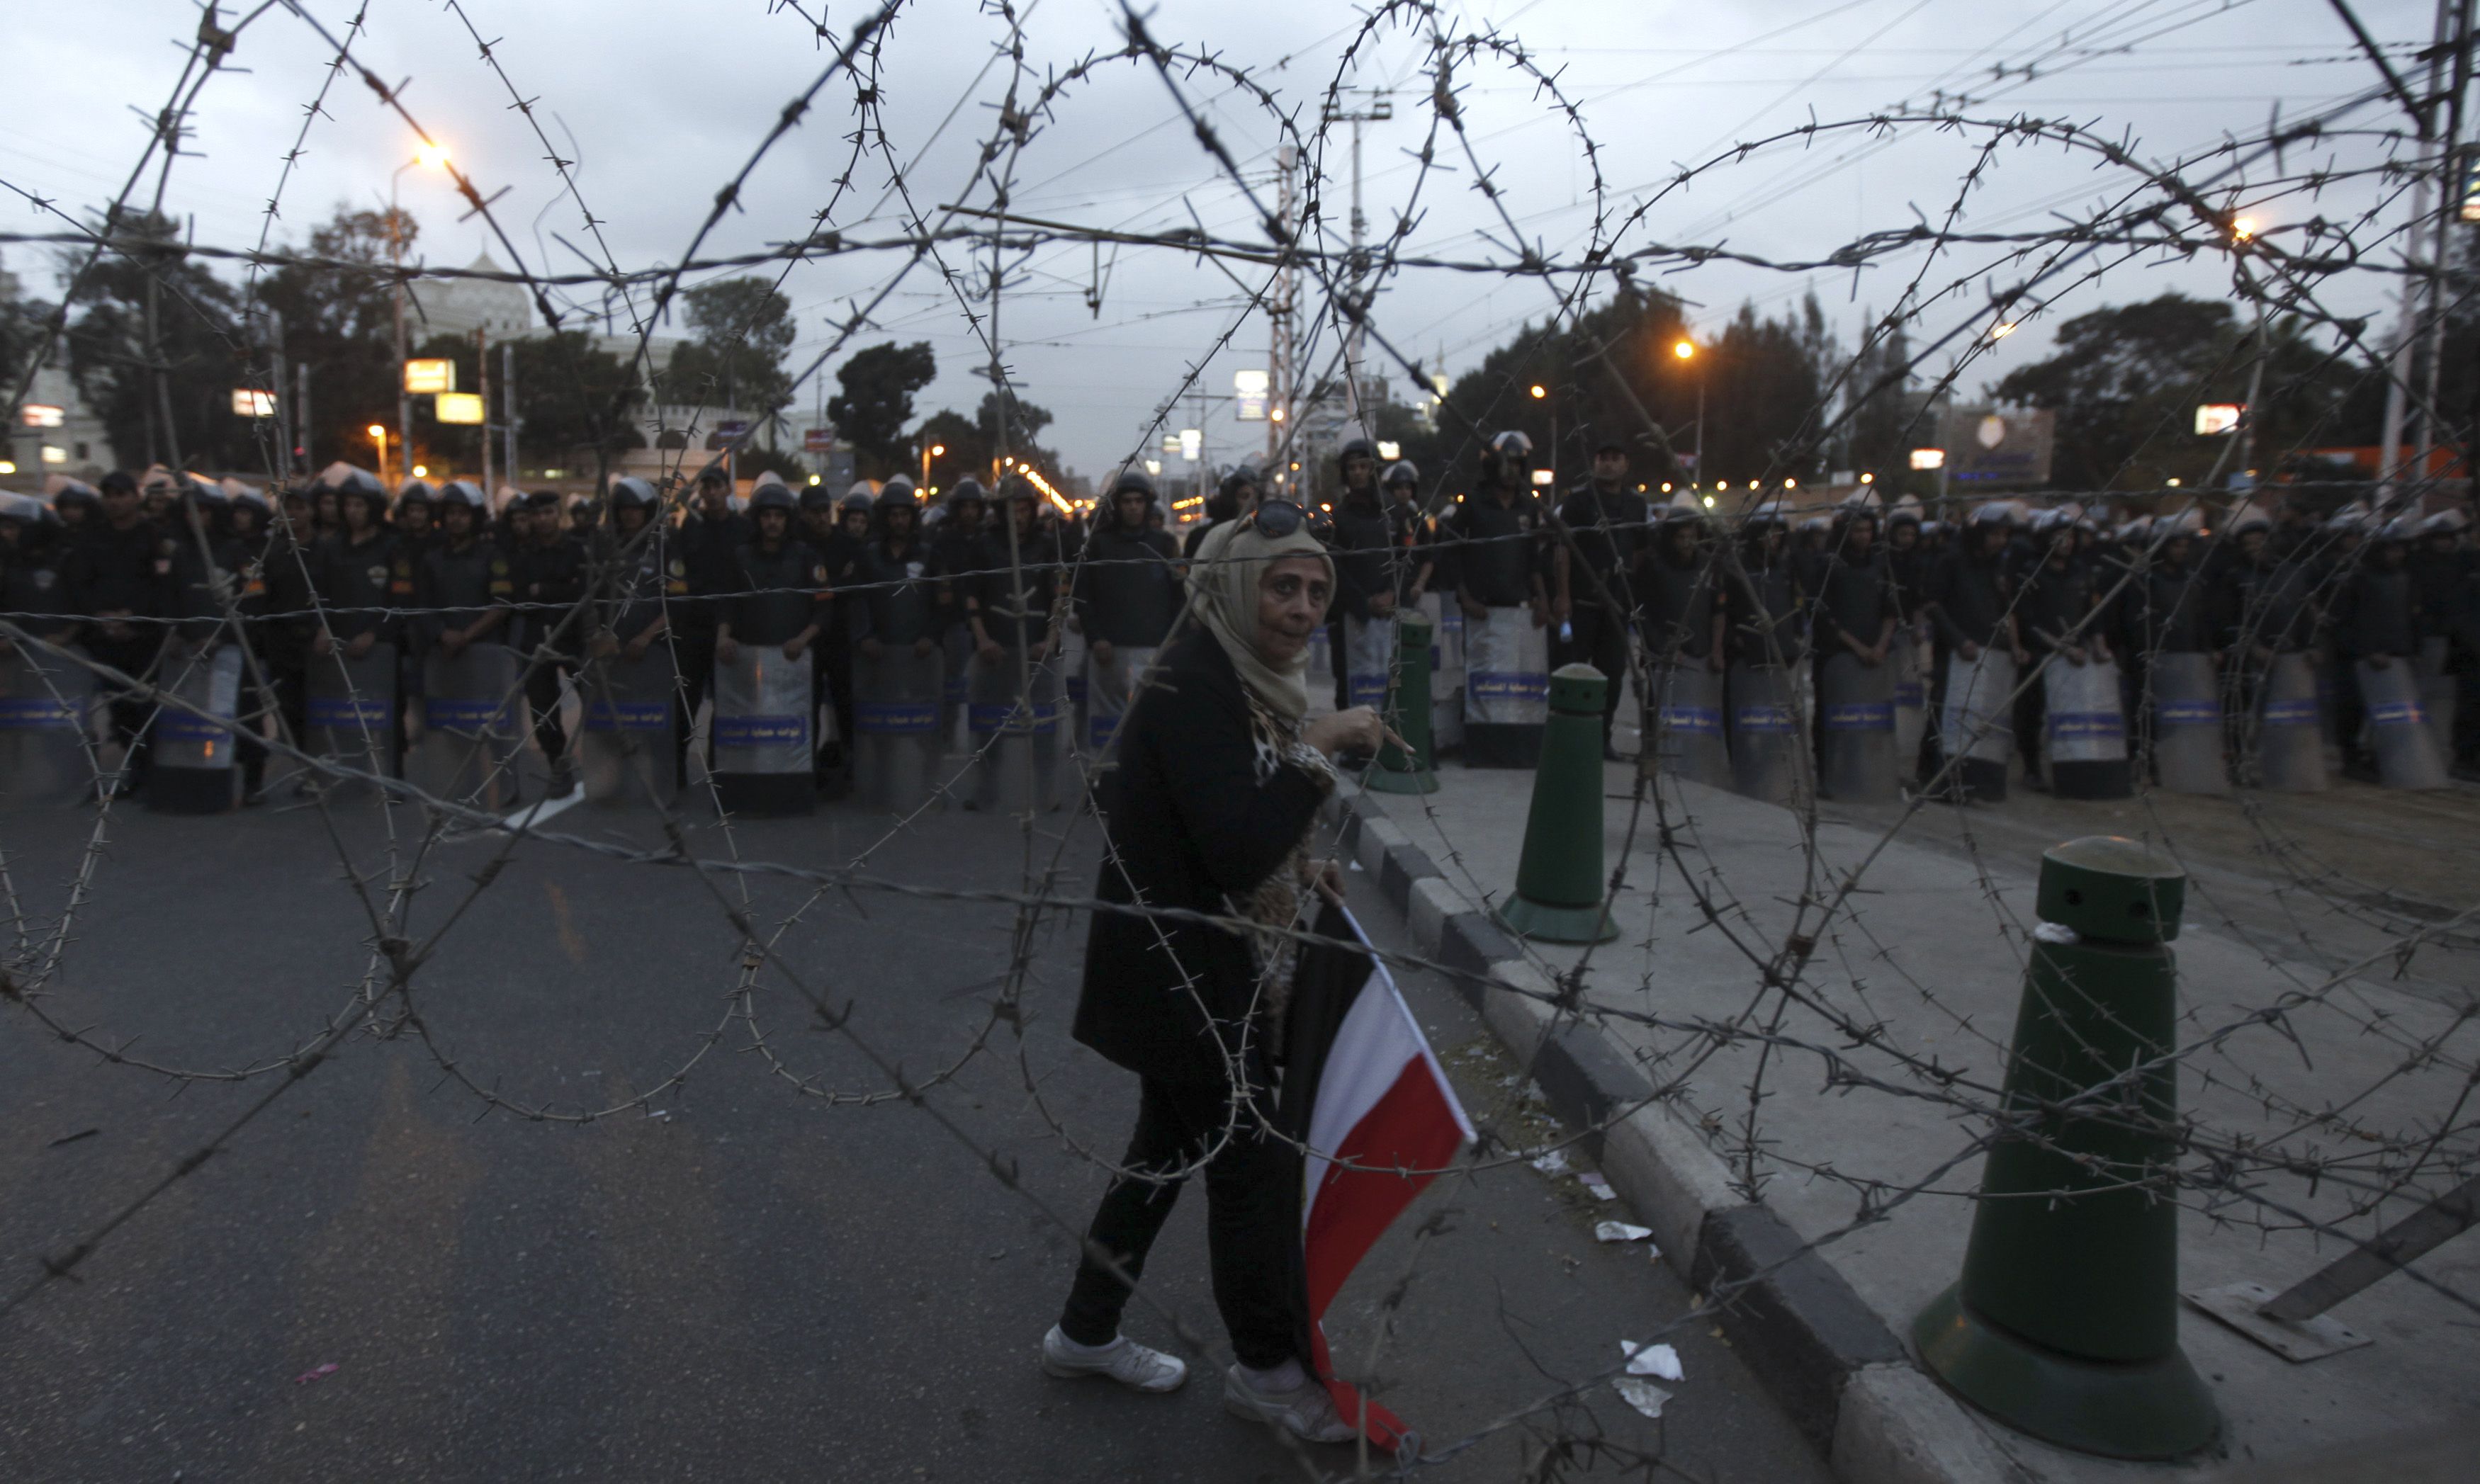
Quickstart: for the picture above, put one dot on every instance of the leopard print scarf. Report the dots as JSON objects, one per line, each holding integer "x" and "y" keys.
{"x": 1275, "y": 905}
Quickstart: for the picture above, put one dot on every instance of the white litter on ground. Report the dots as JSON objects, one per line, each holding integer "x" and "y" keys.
{"x": 1620, "y": 1231}
{"x": 1643, "y": 1396}
{"x": 1652, "y": 1359}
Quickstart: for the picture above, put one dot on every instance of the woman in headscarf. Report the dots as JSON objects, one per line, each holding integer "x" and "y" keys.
{"x": 1209, "y": 809}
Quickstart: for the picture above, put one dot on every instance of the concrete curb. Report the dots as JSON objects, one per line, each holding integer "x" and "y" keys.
{"x": 1845, "y": 1378}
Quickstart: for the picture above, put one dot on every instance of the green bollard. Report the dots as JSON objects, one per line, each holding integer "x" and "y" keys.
{"x": 2065, "y": 1324}
{"x": 1407, "y": 711}
{"x": 1558, "y": 880}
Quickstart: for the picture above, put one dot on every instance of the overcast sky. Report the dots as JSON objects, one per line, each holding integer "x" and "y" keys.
{"x": 661, "y": 102}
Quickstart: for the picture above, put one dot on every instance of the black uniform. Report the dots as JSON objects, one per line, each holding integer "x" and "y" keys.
{"x": 1676, "y": 600}
{"x": 902, "y": 598}
{"x": 1499, "y": 551}
{"x": 112, "y": 571}
{"x": 1127, "y": 593}
{"x": 777, "y": 594}
{"x": 704, "y": 556}
{"x": 550, "y": 581}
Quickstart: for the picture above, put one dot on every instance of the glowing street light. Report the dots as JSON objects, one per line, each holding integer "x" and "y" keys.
{"x": 2002, "y": 329}
{"x": 2243, "y": 228}
{"x": 434, "y": 155}
{"x": 378, "y": 436}
{"x": 1685, "y": 349}
{"x": 1540, "y": 391}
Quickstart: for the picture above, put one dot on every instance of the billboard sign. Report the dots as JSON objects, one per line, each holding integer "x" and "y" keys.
{"x": 1998, "y": 445}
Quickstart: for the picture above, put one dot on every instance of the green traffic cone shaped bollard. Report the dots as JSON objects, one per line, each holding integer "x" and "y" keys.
{"x": 2065, "y": 1324}
{"x": 1558, "y": 879}
{"x": 1397, "y": 770}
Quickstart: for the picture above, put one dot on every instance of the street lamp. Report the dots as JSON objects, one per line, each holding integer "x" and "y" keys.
{"x": 933, "y": 452}
{"x": 378, "y": 436}
{"x": 1540, "y": 391}
{"x": 1686, "y": 350}
{"x": 433, "y": 154}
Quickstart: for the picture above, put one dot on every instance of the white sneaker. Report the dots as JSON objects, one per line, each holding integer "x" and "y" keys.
{"x": 1306, "y": 1412}
{"x": 1134, "y": 1365}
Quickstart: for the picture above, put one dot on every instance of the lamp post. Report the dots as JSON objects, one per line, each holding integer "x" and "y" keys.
{"x": 424, "y": 153}
{"x": 1686, "y": 350}
{"x": 378, "y": 436}
{"x": 933, "y": 452}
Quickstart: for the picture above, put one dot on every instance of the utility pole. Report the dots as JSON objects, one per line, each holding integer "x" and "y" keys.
{"x": 2398, "y": 360}
{"x": 1380, "y": 107}
{"x": 482, "y": 369}
{"x": 302, "y": 411}
{"x": 508, "y": 408}
{"x": 2450, "y": 193}
{"x": 403, "y": 399}
{"x": 1278, "y": 319}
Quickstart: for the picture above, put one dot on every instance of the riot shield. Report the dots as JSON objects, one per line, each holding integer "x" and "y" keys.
{"x": 629, "y": 710}
{"x": 1911, "y": 696}
{"x": 2083, "y": 732}
{"x": 2436, "y": 695}
{"x": 953, "y": 692}
{"x": 1976, "y": 724}
{"x": 1369, "y": 660}
{"x": 1016, "y": 736}
{"x": 472, "y": 726}
{"x": 194, "y": 753}
{"x": 1320, "y": 679}
{"x": 351, "y": 706}
{"x": 45, "y": 756}
{"x": 895, "y": 716}
{"x": 2398, "y": 733}
{"x": 2290, "y": 727}
{"x": 1765, "y": 733}
{"x": 1446, "y": 670}
{"x": 2187, "y": 725}
{"x": 1507, "y": 689}
{"x": 1859, "y": 743}
{"x": 1072, "y": 657}
{"x": 1688, "y": 723}
{"x": 761, "y": 734}
{"x": 1109, "y": 689}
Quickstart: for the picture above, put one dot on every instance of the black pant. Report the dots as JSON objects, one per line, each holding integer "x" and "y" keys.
{"x": 1247, "y": 1247}
{"x": 133, "y": 715}
{"x": 542, "y": 693}
{"x": 695, "y": 654}
{"x": 1601, "y": 640}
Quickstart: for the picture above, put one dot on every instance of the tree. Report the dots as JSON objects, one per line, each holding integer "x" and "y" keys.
{"x": 340, "y": 322}
{"x": 154, "y": 345}
{"x": 573, "y": 399}
{"x": 743, "y": 331}
{"x": 21, "y": 330}
{"x": 877, "y": 401}
{"x": 2125, "y": 383}
{"x": 972, "y": 444}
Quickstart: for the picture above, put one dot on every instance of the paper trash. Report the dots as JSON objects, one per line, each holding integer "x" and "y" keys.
{"x": 1652, "y": 1359}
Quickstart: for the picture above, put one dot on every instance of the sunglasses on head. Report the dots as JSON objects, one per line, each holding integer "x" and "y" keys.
{"x": 1276, "y": 518}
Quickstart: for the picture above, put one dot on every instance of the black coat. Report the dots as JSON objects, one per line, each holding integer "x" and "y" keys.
{"x": 1193, "y": 828}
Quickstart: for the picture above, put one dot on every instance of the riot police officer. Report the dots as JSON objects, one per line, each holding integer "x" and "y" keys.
{"x": 1606, "y": 522}
{"x": 362, "y": 578}
{"x": 1126, "y": 596}
{"x": 780, "y": 591}
{"x": 550, "y": 576}
{"x": 118, "y": 572}
{"x": 708, "y": 554}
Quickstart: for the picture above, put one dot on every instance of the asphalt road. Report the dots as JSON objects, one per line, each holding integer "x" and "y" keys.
{"x": 750, "y": 1281}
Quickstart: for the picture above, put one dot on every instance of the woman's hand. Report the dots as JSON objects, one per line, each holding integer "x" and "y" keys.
{"x": 1356, "y": 730}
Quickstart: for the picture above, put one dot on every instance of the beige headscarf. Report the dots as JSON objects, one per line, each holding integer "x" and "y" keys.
{"x": 1223, "y": 593}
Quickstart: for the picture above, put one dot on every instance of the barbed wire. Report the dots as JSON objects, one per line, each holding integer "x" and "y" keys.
{"x": 2263, "y": 1147}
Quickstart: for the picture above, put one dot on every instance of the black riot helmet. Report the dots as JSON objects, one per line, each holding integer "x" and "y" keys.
{"x": 632, "y": 494}
{"x": 771, "y": 494}
{"x": 1133, "y": 481}
{"x": 967, "y": 491}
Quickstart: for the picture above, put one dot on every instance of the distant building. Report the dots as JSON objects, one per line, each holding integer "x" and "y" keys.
{"x": 55, "y": 432}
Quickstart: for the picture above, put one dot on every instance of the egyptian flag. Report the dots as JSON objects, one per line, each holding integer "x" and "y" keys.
{"x": 1363, "y": 1093}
